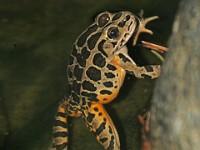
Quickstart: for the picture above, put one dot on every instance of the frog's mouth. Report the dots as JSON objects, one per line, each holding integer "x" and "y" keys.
{"x": 141, "y": 23}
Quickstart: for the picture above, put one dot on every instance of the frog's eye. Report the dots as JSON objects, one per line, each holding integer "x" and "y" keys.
{"x": 113, "y": 33}
{"x": 103, "y": 19}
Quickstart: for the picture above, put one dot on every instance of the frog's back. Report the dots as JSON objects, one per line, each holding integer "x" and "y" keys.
{"x": 77, "y": 64}
{"x": 89, "y": 64}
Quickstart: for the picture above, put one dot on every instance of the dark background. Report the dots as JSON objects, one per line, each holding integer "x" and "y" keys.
{"x": 36, "y": 38}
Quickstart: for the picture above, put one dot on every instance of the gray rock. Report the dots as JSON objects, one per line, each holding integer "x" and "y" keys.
{"x": 175, "y": 120}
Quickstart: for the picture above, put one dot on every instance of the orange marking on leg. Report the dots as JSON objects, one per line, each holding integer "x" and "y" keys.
{"x": 100, "y": 123}
{"x": 61, "y": 119}
{"x": 60, "y": 140}
{"x": 62, "y": 110}
{"x": 75, "y": 114}
{"x": 59, "y": 129}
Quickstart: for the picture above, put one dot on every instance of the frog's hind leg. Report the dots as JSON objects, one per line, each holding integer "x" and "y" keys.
{"x": 100, "y": 123}
{"x": 60, "y": 129}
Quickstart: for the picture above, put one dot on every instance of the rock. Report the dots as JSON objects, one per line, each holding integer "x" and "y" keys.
{"x": 175, "y": 119}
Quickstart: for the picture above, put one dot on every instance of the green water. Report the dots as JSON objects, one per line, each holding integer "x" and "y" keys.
{"x": 36, "y": 38}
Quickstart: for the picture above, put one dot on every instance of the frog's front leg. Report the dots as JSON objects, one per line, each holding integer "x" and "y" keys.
{"x": 150, "y": 71}
{"x": 124, "y": 60}
{"x": 100, "y": 123}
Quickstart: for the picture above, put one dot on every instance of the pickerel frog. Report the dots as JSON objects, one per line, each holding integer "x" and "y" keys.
{"x": 97, "y": 66}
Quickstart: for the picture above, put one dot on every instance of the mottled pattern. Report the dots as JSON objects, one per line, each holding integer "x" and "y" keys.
{"x": 97, "y": 66}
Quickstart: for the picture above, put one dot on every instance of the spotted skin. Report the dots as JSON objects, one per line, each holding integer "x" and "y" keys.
{"x": 97, "y": 66}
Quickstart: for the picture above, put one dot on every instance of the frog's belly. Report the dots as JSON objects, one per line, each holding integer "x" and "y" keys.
{"x": 109, "y": 87}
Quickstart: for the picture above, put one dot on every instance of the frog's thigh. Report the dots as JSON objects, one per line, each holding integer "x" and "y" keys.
{"x": 100, "y": 123}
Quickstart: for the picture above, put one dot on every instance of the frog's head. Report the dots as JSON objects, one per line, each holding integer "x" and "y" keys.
{"x": 116, "y": 29}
